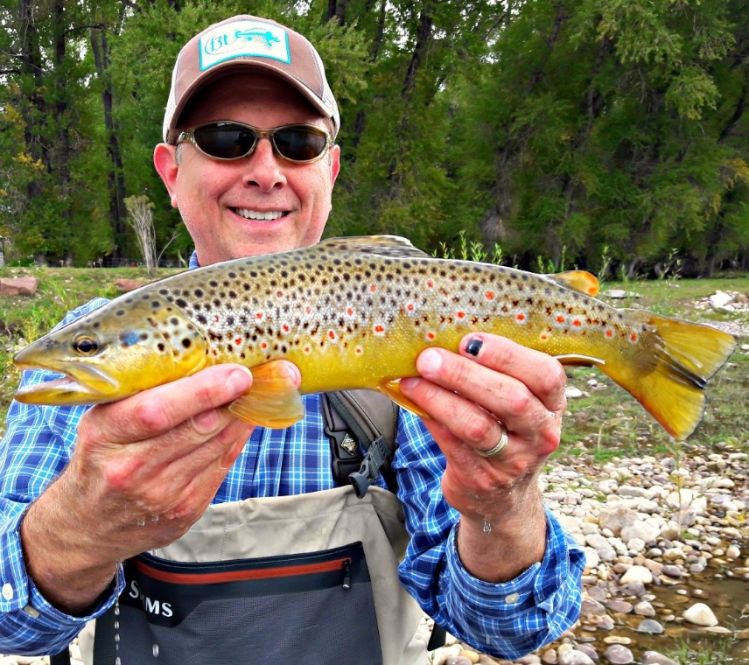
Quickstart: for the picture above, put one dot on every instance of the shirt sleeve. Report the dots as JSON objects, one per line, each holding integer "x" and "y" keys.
{"x": 507, "y": 619}
{"x": 34, "y": 450}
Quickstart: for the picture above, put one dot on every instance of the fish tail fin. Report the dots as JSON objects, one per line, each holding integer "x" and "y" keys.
{"x": 669, "y": 382}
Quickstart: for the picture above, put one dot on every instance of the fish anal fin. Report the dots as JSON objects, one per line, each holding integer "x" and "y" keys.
{"x": 383, "y": 245}
{"x": 578, "y": 280}
{"x": 578, "y": 359}
{"x": 393, "y": 390}
{"x": 273, "y": 400}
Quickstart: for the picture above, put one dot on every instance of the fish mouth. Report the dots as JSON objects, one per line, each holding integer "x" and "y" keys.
{"x": 80, "y": 385}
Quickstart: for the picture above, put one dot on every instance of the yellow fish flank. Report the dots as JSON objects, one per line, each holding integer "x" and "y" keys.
{"x": 355, "y": 313}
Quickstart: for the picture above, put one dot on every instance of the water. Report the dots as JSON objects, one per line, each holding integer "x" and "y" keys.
{"x": 727, "y": 596}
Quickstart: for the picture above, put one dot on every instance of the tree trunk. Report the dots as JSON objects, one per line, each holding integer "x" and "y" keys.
{"x": 115, "y": 177}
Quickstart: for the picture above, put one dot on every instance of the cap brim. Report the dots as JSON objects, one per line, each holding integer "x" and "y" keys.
{"x": 241, "y": 65}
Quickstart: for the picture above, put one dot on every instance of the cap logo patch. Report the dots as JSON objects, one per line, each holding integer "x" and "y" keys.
{"x": 244, "y": 38}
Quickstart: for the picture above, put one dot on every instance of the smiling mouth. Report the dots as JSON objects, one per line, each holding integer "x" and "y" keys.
{"x": 260, "y": 215}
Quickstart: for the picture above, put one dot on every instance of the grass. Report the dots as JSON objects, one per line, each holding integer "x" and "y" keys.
{"x": 704, "y": 653}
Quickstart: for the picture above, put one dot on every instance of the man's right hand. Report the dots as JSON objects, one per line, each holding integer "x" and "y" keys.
{"x": 143, "y": 471}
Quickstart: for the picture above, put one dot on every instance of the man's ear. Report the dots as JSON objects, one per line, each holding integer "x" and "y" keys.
{"x": 165, "y": 161}
{"x": 335, "y": 163}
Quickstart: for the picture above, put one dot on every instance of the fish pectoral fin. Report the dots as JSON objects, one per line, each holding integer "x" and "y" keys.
{"x": 272, "y": 401}
{"x": 393, "y": 390}
{"x": 578, "y": 280}
{"x": 578, "y": 359}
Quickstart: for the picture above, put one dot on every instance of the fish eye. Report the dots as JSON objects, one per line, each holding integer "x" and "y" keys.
{"x": 85, "y": 345}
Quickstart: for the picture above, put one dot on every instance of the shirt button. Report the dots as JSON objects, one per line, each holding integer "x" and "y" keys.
{"x": 7, "y": 591}
{"x": 512, "y": 598}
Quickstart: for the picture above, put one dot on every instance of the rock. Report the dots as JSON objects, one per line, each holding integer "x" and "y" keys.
{"x": 618, "y": 654}
{"x": 470, "y": 655}
{"x": 644, "y": 609}
{"x": 125, "y": 285}
{"x": 441, "y": 655}
{"x": 686, "y": 499}
{"x": 617, "y": 639}
{"x": 457, "y": 660}
{"x": 18, "y": 286}
{"x": 720, "y": 299}
{"x": 655, "y": 658}
{"x": 636, "y": 574}
{"x": 571, "y": 392}
{"x": 588, "y": 650}
{"x": 530, "y": 659}
{"x": 549, "y": 657}
{"x": 650, "y": 626}
{"x": 575, "y": 657}
{"x": 620, "y": 294}
{"x": 617, "y": 518}
{"x": 617, "y": 605}
{"x": 592, "y": 607}
{"x": 700, "y": 615}
{"x": 642, "y": 530}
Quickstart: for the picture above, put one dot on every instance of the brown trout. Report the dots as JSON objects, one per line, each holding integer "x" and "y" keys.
{"x": 355, "y": 313}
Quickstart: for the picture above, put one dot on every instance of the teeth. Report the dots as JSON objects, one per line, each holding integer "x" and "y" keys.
{"x": 256, "y": 214}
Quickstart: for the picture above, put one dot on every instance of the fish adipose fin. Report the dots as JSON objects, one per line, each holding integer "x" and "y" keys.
{"x": 578, "y": 280}
{"x": 395, "y": 246}
{"x": 670, "y": 382}
{"x": 393, "y": 390}
{"x": 272, "y": 401}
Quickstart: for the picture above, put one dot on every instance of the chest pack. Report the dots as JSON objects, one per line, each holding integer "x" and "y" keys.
{"x": 361, "y": 426}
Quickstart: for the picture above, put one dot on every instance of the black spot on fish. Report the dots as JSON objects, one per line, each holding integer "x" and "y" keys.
{"x": 198, "y": 293}
{"x": 181, "y": 302}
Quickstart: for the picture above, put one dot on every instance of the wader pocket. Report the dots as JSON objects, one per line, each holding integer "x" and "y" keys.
{"x": 314, "y": 608}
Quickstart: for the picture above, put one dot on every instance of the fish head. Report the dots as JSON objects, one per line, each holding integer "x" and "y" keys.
{"x": 128, "y": 345}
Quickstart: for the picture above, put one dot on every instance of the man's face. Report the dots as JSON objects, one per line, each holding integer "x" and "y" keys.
{"x": 257, "y": 204}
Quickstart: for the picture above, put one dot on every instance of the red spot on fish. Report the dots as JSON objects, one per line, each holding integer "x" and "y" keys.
{"x": 430, "y": 335}
{"x": 609, "y": 333}
{"x": 560, "y": 318}
{"x": 215, "y": 318}
{"x": 372, "y": 288}
{"x": 349, "y": 311}
{"x": 378, "y": 329}
{"x": 307, "y": 349}
{"x": 577, "y": 322}
{"x": 410, "y": 307}
{"x": 332, "y": 336}
{"x": 259, "y": 316}
{"x": 489, "y": 295}
{"x": 634, "y": 337}
{"x": 430, "y": 283}
{"x": 520, "y": 317}
{"x": 460, "y": 315}
{"x": 285, "y": 328}
{"x": 308, "y": 309}
{"x": 238, "y": 341}
{"x": 264, "y": 345}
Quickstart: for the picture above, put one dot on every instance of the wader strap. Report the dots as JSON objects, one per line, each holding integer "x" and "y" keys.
{"x": 372, "y": 418}
{"x": 62, "y": 658}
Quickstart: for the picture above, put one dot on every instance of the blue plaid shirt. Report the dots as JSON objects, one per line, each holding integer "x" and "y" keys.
{"x": 508, "y": 619}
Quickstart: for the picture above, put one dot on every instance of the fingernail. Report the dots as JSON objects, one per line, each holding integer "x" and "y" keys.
{"x": 474, "y": 345}
{"x": 240, "y": 380}
{"x": 429, "y": 362}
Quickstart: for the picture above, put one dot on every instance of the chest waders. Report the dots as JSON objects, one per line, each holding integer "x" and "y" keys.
{"x": 300, "y": 579}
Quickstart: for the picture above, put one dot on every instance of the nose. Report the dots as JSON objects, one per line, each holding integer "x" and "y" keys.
{"x": 263, "y": 168}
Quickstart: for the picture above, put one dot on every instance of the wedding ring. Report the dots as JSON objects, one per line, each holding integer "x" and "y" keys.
{"x": 496, "y": 450}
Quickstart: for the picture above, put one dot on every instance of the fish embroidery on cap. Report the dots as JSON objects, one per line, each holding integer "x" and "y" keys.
{"x": 244, "y": 38}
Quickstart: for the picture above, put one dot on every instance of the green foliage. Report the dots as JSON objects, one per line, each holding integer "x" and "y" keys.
{"x": 563, "y": 132}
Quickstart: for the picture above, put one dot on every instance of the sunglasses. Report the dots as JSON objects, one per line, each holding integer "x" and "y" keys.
{"x": 227, "y": 140}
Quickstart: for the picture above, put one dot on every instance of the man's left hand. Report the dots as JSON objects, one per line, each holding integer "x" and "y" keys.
{"x": 492, "y": 386}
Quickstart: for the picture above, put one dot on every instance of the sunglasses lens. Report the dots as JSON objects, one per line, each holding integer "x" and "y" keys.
{"x": 225, "y": 140}
{"x": 299, "y": 143}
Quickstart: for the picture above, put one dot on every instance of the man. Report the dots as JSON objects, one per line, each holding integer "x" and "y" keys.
{"x": 243, "y": 528}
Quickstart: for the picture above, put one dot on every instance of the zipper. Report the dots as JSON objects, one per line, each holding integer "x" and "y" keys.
{"x": 346, "y": 574}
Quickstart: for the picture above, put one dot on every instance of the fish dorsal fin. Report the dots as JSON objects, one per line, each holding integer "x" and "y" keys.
{"x": 381, "y": 245}
{"x": 577, "y": 280}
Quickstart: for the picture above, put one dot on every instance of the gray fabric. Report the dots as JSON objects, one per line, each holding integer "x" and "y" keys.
{"x": 310, "y": 523}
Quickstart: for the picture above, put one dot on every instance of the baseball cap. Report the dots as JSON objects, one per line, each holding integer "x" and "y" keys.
{"x": 248, "y": 41}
